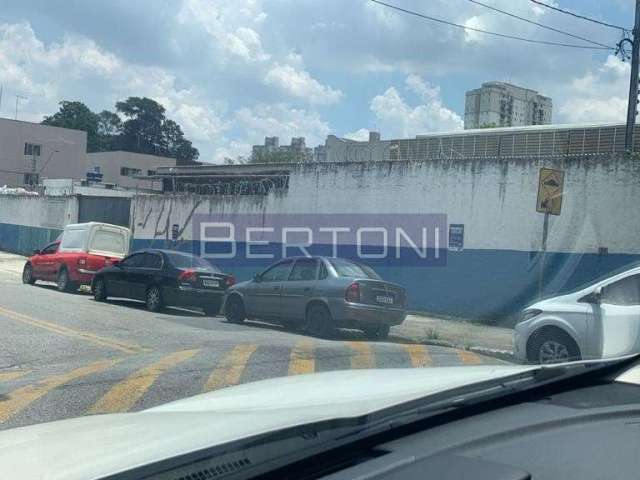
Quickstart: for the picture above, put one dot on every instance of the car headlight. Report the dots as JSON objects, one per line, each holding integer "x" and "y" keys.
{"x": 529, "y": 314}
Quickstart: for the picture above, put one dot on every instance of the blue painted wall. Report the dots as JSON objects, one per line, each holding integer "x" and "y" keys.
{"x": 24, "y": 239}
{"x": 489, "y": 285}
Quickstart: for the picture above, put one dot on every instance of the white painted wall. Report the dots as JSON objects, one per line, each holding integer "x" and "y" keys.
{"x": 40, "y": 211}
{"x": 495, "y": 200}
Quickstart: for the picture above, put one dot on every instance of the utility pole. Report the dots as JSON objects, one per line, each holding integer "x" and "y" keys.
{"x": 632, "y": 109}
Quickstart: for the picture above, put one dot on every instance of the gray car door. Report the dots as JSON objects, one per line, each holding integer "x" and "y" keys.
{"x": 298, "y": 288}
{"x": 265, "y": 295}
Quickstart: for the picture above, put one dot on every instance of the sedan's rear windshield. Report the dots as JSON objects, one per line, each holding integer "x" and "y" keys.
{"x": 346, "y": 268}
{"x": 186, "y": 260}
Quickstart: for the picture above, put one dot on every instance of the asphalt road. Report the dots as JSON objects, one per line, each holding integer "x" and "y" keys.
{"x": 65, "y": 355}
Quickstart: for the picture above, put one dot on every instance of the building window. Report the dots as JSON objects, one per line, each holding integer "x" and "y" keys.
{"x": 129, "y": 172}
{"x": 151, "y": 173}
{"x": 31, "y": 149}
{"x": 31, "y": 179}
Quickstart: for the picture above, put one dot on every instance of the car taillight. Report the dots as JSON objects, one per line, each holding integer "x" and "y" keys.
{"x": 230, "y": 280}
{"x": 353, "y": 293}
{"x": 82, "y": 261}
{"x": 188, "y": 276}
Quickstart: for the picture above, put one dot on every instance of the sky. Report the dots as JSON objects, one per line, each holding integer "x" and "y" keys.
{"x": 232, "y": 72}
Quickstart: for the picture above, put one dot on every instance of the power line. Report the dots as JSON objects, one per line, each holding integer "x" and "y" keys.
{"x": 567, "y": 12}
{"x": 502, "y": 35}
{"x": 538, "y": 24}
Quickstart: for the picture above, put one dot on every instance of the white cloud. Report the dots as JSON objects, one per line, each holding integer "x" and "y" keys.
{"x": 360, "y": 135}
{"x": 298, "y": 83}
{"x": 48, "y": 74}
{"x": 397, "y": 118}
{"x": 597, "y": 96}
{"x": 226, "y": 23}
{"x": 280, "y": 120}
{"x": 32, "y": 68}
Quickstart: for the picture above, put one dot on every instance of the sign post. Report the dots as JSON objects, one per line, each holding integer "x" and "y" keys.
{"x": 549, "y": 202}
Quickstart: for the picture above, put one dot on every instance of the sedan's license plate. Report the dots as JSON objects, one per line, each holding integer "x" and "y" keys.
{"x": 384, "y": 299}
{"x": 210, "y": 283}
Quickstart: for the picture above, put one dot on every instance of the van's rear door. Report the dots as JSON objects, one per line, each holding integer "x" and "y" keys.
{"x": 110, "y": 241}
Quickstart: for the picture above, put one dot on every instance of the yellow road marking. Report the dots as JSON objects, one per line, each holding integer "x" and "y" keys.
{"x": 70, "y": 332}
{"x": 21, "y": 398}
{"x": 8, "y": 376}
{"x": 126, "y": 393}
{"x": 418, "y": 355}
{"x": 469, "y": 358}
{"x": 363, "y": 357}
{"x": 231, "y": 368}
{"x": 302, "y": 359}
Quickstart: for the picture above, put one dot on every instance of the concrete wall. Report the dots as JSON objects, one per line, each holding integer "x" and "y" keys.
{"x": 497, "y": 271}
{"x": 68, "y": 162}
{"x": 111, "y": 163}
{"x": 30, "y": 222}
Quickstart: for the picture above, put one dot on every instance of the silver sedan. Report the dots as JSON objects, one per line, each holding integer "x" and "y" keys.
{"x": 318, "y": 295}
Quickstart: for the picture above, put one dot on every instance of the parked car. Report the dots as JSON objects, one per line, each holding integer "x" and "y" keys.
{"x": 319, "y": 294}
{"x": 164, "y": 278}
{"x": 601, "y": 320}
{"x": 81, "y": 250}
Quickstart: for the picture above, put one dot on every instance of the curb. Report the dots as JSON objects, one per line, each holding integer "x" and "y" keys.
{"x": 504, "y": 355}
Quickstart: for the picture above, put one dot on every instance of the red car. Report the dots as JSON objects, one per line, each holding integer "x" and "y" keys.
{"x": 81, "y": 250}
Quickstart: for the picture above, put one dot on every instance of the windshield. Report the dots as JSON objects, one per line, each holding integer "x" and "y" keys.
{"x": 271, "y": 190}
{"x": 345, "y": 268}
{"x": 184, "y": 260}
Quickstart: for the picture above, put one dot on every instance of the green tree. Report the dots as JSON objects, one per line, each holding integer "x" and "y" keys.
{"x": 279, "y": 156}
{"x": 147, "y": 130}
{"x": 109, "y": 131}
{"x": 77, "y": 116}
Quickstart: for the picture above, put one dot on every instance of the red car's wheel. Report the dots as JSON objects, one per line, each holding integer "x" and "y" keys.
{"x": 27, "y": 274}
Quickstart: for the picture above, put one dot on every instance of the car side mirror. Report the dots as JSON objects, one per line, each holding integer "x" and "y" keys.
{"x": 116, "y": 263}
{"x": 594, "y": 297}
{"x": 257, "y": 278}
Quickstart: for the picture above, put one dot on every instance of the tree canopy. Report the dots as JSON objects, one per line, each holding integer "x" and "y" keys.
{"x": 139, "y": 125}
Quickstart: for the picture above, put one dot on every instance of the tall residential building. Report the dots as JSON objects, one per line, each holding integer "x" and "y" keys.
{"x": 498, "y": 104}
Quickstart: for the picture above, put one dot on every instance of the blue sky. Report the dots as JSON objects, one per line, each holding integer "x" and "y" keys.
{"x": 232, "y": 72}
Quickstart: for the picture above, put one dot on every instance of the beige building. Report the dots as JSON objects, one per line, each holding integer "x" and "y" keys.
{"x": 30, "y": 152}
{"x": 499, "y": 104}
{"x": 124, "y": 169}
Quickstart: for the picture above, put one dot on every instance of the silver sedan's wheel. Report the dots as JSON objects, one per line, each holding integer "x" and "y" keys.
{"x": 319, "y": 322}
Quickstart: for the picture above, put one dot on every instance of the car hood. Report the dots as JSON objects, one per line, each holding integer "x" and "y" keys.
{"x": 101, "y": 445}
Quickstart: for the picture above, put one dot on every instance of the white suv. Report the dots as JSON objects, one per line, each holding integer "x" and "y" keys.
{"x": 601, "y": 320}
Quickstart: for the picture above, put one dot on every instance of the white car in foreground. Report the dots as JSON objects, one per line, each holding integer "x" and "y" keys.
{"x": 601, "y": 320}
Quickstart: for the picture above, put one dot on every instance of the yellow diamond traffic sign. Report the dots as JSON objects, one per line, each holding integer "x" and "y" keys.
{"x": 550, "y": 186}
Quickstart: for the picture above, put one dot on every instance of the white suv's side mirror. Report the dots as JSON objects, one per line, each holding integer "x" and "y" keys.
{"x": 594, "y": 297}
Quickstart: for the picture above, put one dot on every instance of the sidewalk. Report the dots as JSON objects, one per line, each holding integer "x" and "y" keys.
{"x": 495, "y": 341}
{"x": 11, "y": 263}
